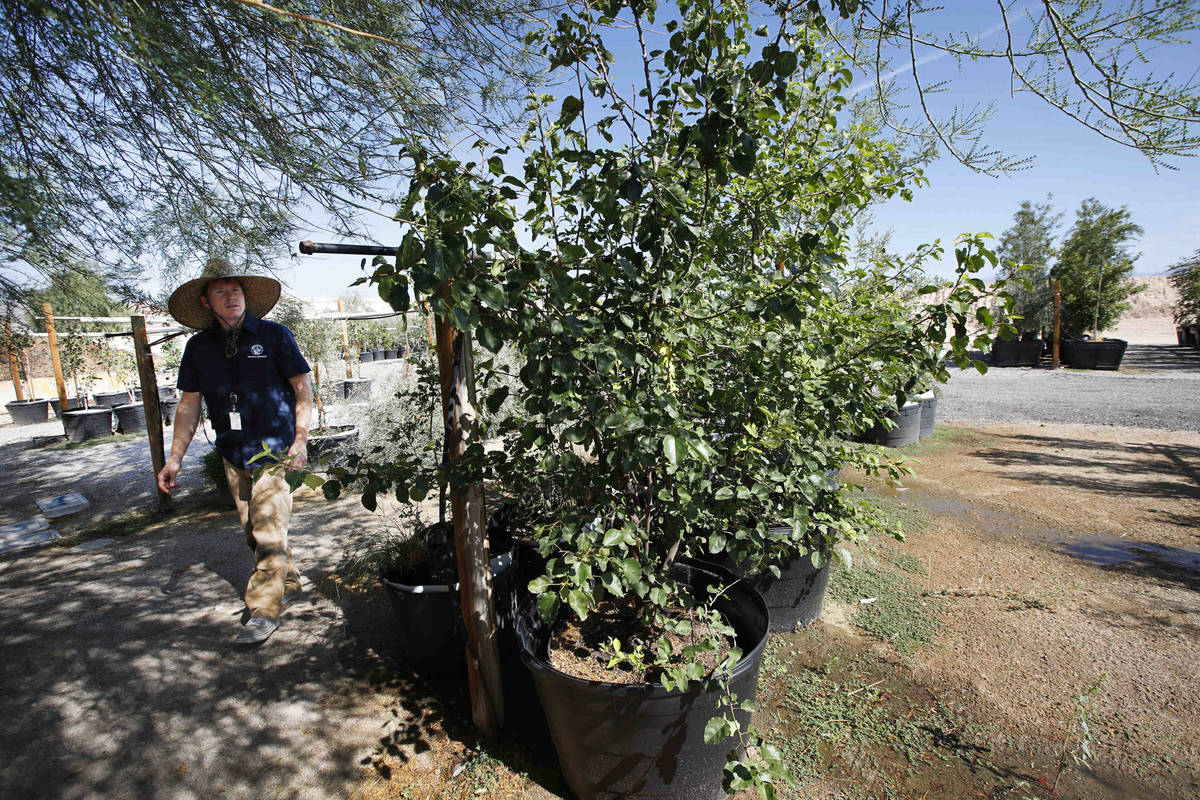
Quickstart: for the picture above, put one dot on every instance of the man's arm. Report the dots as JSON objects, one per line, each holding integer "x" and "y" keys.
{"x": 298, "y": 453}
{"x": 187, "y": 419}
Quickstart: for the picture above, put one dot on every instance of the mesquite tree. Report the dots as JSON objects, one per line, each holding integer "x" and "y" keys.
{"x": 1094, "y": 267}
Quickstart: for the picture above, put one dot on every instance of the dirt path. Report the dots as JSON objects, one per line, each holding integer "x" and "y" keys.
{"x": 1038, "y": 559}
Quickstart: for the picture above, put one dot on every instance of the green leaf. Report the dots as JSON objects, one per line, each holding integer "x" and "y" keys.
{"x": 669, "y": 449}
{"x": 717, "y": 730}
{"x": 539, "y": 585}
{"x": 580, "y": 602}
{"x": 724, "y": 493}
{"x": 332, "y": 489}
{"x": 368, "y": 500}
{"x": 631, "y": 570}
{"x": 785, "y": 64}
{"x": 548, "y": 606}
{"x": 313, "y": 481}
{"x": 489, "y": 339}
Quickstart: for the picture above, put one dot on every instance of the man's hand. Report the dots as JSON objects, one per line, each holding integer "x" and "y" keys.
{"x": 166, "y": 476}
{"x": 297, "y": 455}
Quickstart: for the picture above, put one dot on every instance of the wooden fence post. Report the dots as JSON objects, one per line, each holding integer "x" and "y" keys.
{"x": 52, "y": 338}
{"x": 1057, "y": 319}
{"x": 154, "y": 423}
{"x": 13, "y": 366}
{"x": 346, "y": 344}
{"x": 317, "y": 377}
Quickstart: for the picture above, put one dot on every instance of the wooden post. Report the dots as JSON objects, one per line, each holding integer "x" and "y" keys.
{"x": 52, "y": 338}
{"x": 317, "y": 377}
{"x": 13, "y": 366}
{"x": 154, "y": 423}
{"x": 1057, "y": 319}
{"x": 455, "y": 368}
{"x": 346, "y": 344}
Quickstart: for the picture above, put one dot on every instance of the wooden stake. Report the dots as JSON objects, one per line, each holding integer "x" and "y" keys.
{"x": 13, "y": 366}
{"x": 154, "y": 423}
{"x": 317, "y": 380}
{"x": 1057, "y": 319}
{"x": 52, "y": 338}
{"x": 455, "y": 369}
{"x": 346, "y": 344}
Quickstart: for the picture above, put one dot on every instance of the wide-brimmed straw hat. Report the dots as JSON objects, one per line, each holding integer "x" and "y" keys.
{"x": 261, "y": 292}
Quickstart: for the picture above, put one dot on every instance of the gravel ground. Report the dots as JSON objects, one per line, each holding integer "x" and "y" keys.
{"x": 1158, "y": 386}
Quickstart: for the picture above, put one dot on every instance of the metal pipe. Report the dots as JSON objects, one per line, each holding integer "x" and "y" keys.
{"x": 329, "y": 248}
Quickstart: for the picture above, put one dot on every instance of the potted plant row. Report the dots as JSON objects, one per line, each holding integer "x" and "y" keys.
{"x": 681, "y": 366}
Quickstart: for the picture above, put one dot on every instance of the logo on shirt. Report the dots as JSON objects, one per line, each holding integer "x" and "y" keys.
{"x": 256, "y": 351}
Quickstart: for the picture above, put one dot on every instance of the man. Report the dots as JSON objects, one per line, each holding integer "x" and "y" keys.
{"x": 255, "y": 381}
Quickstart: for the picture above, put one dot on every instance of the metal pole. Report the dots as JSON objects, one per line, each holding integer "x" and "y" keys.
{"x": 154, "y": 423}
{"x": 328, "y": 248}
{"x": 52, "y": 338}
{"x": 13, "y": 366}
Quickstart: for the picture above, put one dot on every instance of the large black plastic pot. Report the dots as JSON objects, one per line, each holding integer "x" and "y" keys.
{"x": 429, "y": 624}
{"x": 393, "y": 353}
{"x": 131, "y": 417}
{"x": 331, "y": 440}
{"x": 1193, "y": 335}
{"x": 380, "y": 354}
{"x": 366, "y": 356}
{"x": 1106, "y": 354}
{"x": 796, "y": 597}
{"x": 640, "y": 740}
{"x": 1016, "y": 354}
{"x": 28, "y": 412}
{"x": 167, "y": 409}
{"x": 88, "y": 423}
{"x": 1181, "y": 333}
{"x": 905, "y": 428}
{"x": 357, "y": 389}
{"x": 72, "y": 404}
{"x": 928, "y": 402}
{"x": 164, "y": 393}
{"x": 112, "y": 399}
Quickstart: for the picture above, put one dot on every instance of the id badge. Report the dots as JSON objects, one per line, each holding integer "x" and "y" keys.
{"x": 235, "y": 420}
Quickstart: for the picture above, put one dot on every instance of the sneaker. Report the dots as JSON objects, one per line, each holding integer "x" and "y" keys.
{"x": 257, "y": 630}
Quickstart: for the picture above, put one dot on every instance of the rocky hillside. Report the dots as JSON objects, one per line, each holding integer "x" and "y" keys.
{"x": 1156, "y": 300}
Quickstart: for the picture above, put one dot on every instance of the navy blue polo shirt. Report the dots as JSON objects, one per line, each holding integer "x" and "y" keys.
{"x": 267, "y": 356}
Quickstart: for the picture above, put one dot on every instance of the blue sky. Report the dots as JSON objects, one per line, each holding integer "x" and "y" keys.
{"x": 1069, "y": 161}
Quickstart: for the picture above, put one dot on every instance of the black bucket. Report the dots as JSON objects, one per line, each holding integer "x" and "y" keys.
{"x": 640, "y": 740}
{"x": 166, "y": 408}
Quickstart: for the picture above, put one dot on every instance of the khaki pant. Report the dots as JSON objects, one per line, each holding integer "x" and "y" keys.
{"x": 265, "y": 508}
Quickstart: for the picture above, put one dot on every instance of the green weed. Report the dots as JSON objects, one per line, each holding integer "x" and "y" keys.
{"x": 115, "y": 439}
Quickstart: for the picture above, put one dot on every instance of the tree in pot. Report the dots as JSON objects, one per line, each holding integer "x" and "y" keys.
{"x": 1094, "y": 266}
{"x": 633, "y": 440}
{"x": 1185, "y": 277}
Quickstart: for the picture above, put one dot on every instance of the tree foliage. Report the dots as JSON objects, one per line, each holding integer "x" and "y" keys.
{"x": 1026, "y": 251}
{"x": 1095, "y": 267}
{"x": 1092, "y": 60}
{"x": 1185, "y": 277}
{"x": 130, "y": 128}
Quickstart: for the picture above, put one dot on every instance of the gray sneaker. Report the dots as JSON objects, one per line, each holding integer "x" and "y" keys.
{"x": 257, "y": 630}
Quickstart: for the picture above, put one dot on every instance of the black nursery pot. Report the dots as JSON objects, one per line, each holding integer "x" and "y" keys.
{"x": 72, "y": 404}
{"x": 339, "y": 439}
{"x": 429, "y": 623}
{"x": 1106, "y": 354}
{"x": 366, "y": 356}
{"x": 1016, "y": 354}
{"x": 639, "y": 740}
{"x": 928, "y": 403}
{"x": 356, "y": 389}
{"x": 28, "y": 412}
{"x": 111, "y": 399}
{"x": 88, "y": 423}
{"x": 906, "y": 428}
{"x": 166, "y": 408}
{"x": 131, "y": 417}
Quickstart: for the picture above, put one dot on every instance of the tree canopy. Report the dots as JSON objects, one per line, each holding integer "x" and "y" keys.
{"x": 129, "y": 127}
{"x": 1094, "y": 267}
{"x": 1026, "y": 251}
{"x": 1097, "y": 61}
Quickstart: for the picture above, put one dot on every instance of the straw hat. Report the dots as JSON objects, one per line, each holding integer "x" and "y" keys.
{"x": 262, "y": 293}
